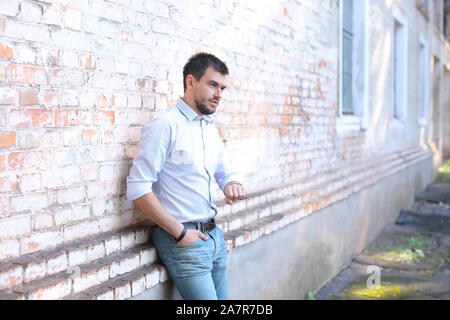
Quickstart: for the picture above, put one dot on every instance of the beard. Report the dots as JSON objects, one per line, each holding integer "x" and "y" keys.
{"x": 202, "y": 108}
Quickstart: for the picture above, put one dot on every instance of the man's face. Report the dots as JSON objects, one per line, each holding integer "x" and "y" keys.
{"x": 208, "y": 91}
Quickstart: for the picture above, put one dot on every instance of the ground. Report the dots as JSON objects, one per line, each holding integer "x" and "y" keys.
{"x": 410, "y": 258}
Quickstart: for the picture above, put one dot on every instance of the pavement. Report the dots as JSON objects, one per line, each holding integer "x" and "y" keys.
{"x": 409, "y": 260}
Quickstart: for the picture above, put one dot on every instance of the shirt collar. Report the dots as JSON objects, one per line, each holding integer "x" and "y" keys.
{"x": 189, "y": 113}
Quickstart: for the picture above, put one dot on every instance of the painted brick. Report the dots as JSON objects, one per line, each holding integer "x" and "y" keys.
{"x": 96, "y": 251}
{"x": 40, "y": 241}
{"x": 77, "y": 256}
{"x": 8, "y": 96}
{"x": 127, "y": 240}
{"x": 54, "y": 290}
{"x": 9, "y": 249}
{"x": 35, "y": 270}
{"x": 138, "y": 286}
{"x": 152, "y": 277}
{"x": 33, "y": 202}
{"x": 9, "y": 7}
{"x": 126, "y": 264}
{"x": 80, "y": 230}
{"x": 90, "y": 279}
{"x": 14, "y": 226}
{"x": 112, "y": 245}
{"x": 148, "y": 256}
{"x": 10, "y": 276}
{"x": 57, "y": 263}
{"x": 122, "y": 291}
{"x": 42, "y": 221}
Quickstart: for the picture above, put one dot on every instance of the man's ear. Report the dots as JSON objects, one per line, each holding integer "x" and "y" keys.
{"x": 190, "y": 81}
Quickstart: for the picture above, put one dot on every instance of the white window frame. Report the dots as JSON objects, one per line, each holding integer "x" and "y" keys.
{"x": 424, "y": 84}
{"x": 398, "y": 17}
{"x": 360, "y": 120}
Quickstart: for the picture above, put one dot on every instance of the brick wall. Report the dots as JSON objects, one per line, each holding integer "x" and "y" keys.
{"x": 79, "y": 79}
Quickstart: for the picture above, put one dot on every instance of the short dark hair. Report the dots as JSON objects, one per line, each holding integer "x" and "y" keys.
{"x": 198, "y": 63}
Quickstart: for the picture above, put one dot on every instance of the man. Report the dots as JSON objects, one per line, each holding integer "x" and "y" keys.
{"x": 180, "y": 155}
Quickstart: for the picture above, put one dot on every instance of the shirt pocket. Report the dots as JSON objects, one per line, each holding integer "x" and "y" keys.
{"x": 183, "y": 152}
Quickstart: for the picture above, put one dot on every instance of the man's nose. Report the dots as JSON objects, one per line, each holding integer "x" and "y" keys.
{"x": 218, "y": 94}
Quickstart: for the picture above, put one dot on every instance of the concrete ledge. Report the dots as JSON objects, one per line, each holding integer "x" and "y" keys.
{"x": 306, "y": 254}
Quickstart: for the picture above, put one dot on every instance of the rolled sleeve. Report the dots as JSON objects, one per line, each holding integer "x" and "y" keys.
{"x": 150, "y": 158}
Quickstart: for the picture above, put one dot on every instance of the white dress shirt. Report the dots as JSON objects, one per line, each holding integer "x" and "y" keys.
{"x": 180, "y": 155}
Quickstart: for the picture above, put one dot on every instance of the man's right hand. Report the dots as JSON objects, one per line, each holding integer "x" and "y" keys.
{"x": 191, "y": 237}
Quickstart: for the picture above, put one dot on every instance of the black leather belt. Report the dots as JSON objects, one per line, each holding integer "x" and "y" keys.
{"x": 204, "y": 227}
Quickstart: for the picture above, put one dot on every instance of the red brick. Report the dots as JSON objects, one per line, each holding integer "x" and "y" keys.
{"x": 4, "y": 207}
{"x": 62, "y": 118}
{"x": 26, "y": 160}
{"x": 7, "y": 139}
{"x": 104, "y": 118}
{"x": 31, "y": 117}
{"x": 29, "y": 96}
{"x": 285, "y": 120}
{"x": 51, "y": 97}
{"x": 6, "y": 52}
{"x": 90, "y": 63}
{"x": 32, "y": 75}
{"x": 90, "y": 136}
{"x": 8, "y": 183}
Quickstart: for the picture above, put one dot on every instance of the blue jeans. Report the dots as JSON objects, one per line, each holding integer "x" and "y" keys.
{"x": 199, "y": 270}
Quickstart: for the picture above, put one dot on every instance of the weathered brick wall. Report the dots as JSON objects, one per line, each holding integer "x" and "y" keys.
{"x": 78, "y": 80}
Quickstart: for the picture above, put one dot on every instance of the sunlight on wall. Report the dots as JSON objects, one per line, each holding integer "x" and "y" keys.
{"x": 379, "y": 124}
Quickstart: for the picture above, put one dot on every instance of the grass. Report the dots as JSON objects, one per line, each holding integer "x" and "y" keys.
{"x": 444, "y": 172}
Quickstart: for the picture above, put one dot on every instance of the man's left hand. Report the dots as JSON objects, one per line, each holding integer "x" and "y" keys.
{"x": 234, "y": 191}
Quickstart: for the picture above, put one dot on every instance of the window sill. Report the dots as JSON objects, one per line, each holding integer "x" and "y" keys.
{"x": 422, "y": 122}
{"x": 397, "y": 123}
{"x": 348, "y": 124}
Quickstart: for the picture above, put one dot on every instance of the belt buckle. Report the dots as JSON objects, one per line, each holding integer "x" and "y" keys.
{"x": 208, "y": 225}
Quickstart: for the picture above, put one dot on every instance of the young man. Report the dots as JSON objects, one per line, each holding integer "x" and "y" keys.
{"x": 180, "y": 155}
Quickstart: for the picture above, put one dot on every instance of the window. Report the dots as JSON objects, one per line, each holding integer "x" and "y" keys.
{"x": 347, "y": 57}
{"x": 353, "y": 80}
{"x": 399, "y": 65}
{"x": 423, "y": 81}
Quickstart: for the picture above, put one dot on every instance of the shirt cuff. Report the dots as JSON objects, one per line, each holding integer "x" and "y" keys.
{"x": 135, "y": 190}
{"x": 231, "y": 177}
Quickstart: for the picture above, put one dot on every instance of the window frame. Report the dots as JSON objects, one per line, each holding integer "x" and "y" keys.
{"x": 359, "y": 119}
{"x": 424, "y": 96}
{"x": 399, "y": 112}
